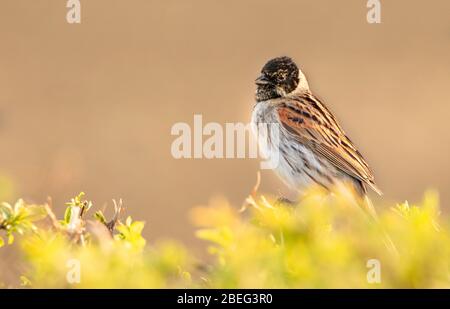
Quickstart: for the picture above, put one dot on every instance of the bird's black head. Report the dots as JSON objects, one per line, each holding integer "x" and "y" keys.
{"x": 279, "y": 77}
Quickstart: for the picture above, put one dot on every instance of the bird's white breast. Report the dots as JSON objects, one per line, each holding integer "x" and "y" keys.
{"x": 288, "y": 157}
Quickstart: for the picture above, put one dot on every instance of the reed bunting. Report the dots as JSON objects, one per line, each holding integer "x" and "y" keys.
{"x": 311, "y": 146}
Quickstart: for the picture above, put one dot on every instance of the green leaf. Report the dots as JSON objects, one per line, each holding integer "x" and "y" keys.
{"x": 222, "y": 236}
{"x": 5, "y": 211}
{"x": 137, "y": 227}
{"x": 67, "y": 214}
{"x": 36, "y": 213}
{"x": 77, "y": 200}
{"x": 128, "y": 221}
{"x": 99, "y": 216}
{"x": 18, "y": 206}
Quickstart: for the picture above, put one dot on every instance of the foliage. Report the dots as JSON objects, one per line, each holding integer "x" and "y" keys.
{"x": 18, "y": 219}
{"x": 324, "y": 241}
{"x": 80, "y": 253}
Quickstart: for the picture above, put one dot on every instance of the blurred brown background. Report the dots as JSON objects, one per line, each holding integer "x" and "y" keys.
{"x": 89, "y": 107}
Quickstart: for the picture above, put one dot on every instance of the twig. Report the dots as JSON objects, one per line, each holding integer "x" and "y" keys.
{"x": 118, "y": 208}
{"x": 251, "y": 199}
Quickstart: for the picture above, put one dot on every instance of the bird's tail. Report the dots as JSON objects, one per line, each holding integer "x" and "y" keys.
{"x": 369, "y": 209}
{"x": 366, "y": 205}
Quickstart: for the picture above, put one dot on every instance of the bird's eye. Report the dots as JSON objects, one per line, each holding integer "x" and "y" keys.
{"x": 281, "y": 76}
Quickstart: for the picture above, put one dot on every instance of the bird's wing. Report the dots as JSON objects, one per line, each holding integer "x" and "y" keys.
{"x": 313, "y": 125}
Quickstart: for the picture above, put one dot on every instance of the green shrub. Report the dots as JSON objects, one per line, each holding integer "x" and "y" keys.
{"x": 325, "y": 241}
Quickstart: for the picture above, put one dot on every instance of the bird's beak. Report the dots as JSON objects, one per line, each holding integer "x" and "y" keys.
{"x": 262, "y": 80}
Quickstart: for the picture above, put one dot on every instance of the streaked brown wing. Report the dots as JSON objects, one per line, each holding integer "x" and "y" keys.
{"x": 314, "y": 126}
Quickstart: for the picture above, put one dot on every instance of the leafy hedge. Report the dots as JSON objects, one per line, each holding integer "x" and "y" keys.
{"x": 324, "y": 241}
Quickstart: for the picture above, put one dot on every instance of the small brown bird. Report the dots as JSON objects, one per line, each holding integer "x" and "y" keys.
{"x": 311, "y": 147}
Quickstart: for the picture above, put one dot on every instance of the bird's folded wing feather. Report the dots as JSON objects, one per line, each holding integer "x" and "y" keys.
{"x": 313, "y": 125}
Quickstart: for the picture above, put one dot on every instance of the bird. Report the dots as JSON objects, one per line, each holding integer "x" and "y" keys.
{"x": 294, "y": 126}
